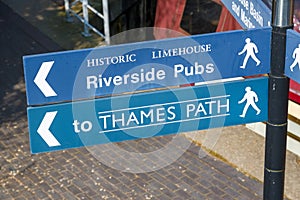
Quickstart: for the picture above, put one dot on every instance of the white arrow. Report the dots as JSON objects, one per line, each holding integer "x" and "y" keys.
{"x": 40, "y": 79}
{"x": 44, "y": 132}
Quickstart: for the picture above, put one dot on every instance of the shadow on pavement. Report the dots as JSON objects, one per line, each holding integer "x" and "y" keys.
{"x": 17, "y": 38}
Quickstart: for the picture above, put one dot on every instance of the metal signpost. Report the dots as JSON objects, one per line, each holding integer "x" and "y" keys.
{"x": 276, "y": 132}
{"x": 285, "y": 60}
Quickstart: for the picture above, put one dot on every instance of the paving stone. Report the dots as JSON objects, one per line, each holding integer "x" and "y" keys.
{"x": 201, "y": 189}
{"x": 54, "y": 195}
{"x": 20, "y": 198}
{"x": 74, "y": 190}
{"x": 231, "y": 192}
{"x": 218, "y": 183}
{"x": 182, "y": 194}
{"x": 196, "y": 195}
{"x": 217, "y": 191}
{"x": 119, "y": 194}
{"x": 40, "y": 194}
{"x": 188, "y": 180}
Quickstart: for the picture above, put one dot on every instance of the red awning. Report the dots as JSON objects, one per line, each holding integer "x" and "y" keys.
{"x": 167, "y": 19}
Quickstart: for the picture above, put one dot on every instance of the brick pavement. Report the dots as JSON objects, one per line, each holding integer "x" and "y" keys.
{"x": 104, "y": 171}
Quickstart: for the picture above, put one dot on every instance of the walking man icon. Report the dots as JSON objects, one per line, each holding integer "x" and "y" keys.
{"x": 296, "y": 56}
{"x": 250, "y": 97}
{"x": 251, "y": 49}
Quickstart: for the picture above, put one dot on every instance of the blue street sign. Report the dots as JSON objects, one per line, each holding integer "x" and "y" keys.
{"x": 249, "y": 13}
{"x": 143, "y": 115}
{"x": 292, "y": 63}
{"x": 83, "y": 74}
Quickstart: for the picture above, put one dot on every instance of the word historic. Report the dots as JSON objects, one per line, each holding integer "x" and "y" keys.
{"x": 95, "y": 62}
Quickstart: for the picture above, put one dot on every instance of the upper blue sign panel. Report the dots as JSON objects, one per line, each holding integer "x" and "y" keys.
{"x": 249, "y": 13}
{"x": 82, "y": 74}
{"x": 292, "y": 63}
{"x": 144, "y": 115}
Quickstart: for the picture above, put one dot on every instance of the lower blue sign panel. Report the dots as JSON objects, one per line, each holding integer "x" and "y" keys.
{"x": 149, "y": 114}
{"x": 292, "y": 64}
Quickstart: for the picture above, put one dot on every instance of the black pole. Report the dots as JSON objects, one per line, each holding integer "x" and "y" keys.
{"x": 276, "y": 132}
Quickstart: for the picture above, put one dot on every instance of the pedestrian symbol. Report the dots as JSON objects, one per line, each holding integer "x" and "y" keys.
{"x": 296, "y": 56}
{"x": 251, "y": 49}
{"x": 251, "y": 98}
{"x": 292, "y": 55}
